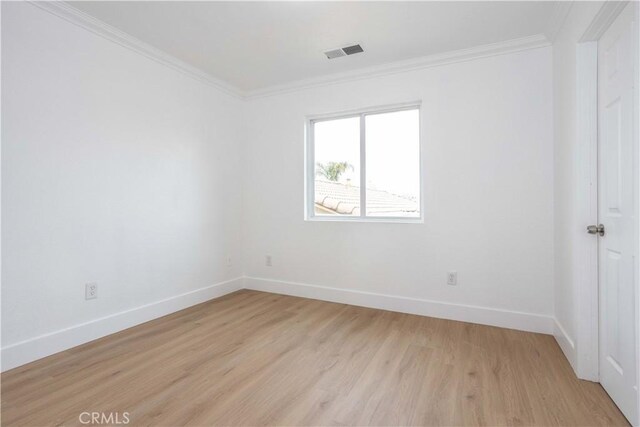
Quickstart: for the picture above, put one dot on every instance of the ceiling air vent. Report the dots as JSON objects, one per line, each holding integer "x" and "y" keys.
{"x": 350, "y": 50}
{"x": 335, "y": 53}
{"x": 343, "y": 51}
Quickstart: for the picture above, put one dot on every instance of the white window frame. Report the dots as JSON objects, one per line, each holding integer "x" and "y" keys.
{"x": 309, "y": 189}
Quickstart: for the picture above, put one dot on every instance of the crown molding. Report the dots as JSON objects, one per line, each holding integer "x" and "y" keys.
{"x": 88, "y": 22}
{"x": 556, "y": 21}
{"x": 603, "y": 20}
{"x": 462, "y": 55}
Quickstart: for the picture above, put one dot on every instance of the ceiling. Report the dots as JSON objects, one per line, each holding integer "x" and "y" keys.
{"x": 255, "y": 45}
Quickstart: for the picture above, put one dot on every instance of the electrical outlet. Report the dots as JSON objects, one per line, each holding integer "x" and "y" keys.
{"x": 91, "y": 291}
{"x": 267, "y": 260}
{"x": 452, "y": 278}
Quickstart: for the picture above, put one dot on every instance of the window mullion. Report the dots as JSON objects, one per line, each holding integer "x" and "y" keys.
{"x": 363, "y": 168}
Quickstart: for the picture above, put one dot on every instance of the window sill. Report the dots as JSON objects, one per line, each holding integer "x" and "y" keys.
{"x": 386, "y": 220}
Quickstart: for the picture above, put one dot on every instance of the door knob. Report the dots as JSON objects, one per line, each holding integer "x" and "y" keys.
{"x": 596, "y": 229}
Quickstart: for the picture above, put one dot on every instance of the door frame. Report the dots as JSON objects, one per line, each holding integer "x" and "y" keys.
{"x": 585, "y": 256}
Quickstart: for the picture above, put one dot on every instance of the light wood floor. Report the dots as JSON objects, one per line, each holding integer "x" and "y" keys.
{"x": 253, "y": 358}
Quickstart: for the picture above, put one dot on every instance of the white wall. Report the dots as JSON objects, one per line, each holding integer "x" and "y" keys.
{"x": 116, "y": 170}
{"x": 569, "y": 231}
{"x": 488, "y": 182}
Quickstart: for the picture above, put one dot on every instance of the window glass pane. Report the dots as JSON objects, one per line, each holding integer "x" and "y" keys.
{"x": 337, "y": 168}
{"x": 393, "y": 164}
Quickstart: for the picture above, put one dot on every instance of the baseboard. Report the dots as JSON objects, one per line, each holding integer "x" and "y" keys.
{"x": 566, "y": 343}
{"x": 45, "y": 345}
{"x": 466, "y": 313}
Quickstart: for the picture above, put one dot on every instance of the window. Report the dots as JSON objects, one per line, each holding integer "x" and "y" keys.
{"x": 364, "y": 165}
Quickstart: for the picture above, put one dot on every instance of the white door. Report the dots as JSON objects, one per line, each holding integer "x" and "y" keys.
{"x": 616, "y": 211}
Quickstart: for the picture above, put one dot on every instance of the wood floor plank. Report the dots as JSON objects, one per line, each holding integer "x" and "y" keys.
{"x": 253, "y": 358}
